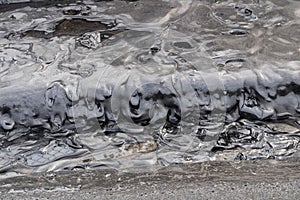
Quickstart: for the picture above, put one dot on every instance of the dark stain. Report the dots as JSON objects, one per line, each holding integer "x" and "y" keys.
{"x": 71, "y": 12}
{"x": 74, "y": 27}
{"x": 183, "y": 45}
{"x": 38, "y": 4}
{"x": 238, "y": 32}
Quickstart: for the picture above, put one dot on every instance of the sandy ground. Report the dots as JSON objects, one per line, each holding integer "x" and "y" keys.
{"x": 264, "y": 179}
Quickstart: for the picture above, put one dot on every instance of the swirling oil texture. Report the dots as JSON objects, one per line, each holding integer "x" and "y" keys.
{"x": 118, "y": 84}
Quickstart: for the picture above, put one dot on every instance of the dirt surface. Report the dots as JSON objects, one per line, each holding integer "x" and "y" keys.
{"x": 265, "y": 179}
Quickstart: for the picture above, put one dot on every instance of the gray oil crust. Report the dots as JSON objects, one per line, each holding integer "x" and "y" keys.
{"x": 120, "y": 84}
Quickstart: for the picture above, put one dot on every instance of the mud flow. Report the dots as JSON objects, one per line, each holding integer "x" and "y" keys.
{"x": 119, "y": 84}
